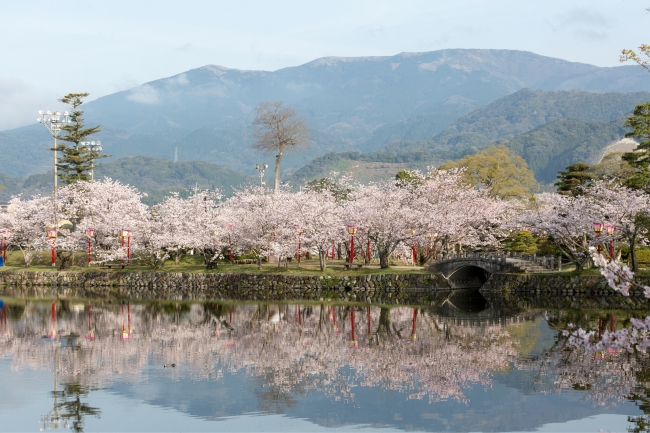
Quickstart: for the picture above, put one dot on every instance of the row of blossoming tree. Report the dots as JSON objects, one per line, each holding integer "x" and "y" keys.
{"x": 438, "y": 209}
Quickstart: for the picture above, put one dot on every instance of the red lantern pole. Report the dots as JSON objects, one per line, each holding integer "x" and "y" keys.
{"x": 415, "y": 316}
{"x": 611, "y": 230}
{"x": 299, "y": 248}
{"x": 353, "y": 341}
{"x": 122, "y": 260}
{"x": 414, "y": 254}
{"x": 51, "y": 233}
{"x": 598, "y": 228}
{"x": 89, "y": 234}
{"x": 351, "y": 248}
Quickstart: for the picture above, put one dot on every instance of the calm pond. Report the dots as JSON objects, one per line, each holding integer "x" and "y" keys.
{"x": 96, "y": 365}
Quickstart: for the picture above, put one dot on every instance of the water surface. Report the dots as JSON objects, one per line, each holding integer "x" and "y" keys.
{"x": 462, "y": 366}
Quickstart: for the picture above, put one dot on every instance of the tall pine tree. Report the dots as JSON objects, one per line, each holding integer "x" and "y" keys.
{"x": 77, "y": 160}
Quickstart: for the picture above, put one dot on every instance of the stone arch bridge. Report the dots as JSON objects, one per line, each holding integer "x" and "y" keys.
{"x": 471, "y": 270}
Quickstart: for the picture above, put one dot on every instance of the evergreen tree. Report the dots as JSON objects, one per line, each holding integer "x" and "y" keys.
{"x": 77, "y": 160}
{"x": 574, "y": 179}
{"x": 639, "y": 158}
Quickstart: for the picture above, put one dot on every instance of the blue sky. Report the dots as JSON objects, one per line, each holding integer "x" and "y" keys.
{"x": 52, "y": 48}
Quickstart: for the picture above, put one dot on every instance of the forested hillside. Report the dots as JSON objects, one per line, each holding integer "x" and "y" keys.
{"x": 154, "y": 176}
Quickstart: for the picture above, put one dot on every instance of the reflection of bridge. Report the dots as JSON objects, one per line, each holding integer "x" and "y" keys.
{"x": 470, "y": 270}
{"x": 489, "y": 316}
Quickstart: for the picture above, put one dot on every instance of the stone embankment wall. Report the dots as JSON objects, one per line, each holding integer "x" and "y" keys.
{"x": 387, "y": 288}
{"x": 559, "y": 291}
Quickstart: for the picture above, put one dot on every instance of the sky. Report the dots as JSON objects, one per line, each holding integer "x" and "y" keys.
{"x": 50, "y": 48}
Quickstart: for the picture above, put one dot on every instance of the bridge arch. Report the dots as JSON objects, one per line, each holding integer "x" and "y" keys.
{"x": 469, "y": 275}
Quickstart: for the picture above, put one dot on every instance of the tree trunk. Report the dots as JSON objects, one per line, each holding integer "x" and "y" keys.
{"x": 278, "y": 158}
{"x": 177, "y": 257}
{"x": 383, "y": 258}
{"x": 632, "y": 239}
{"x": 321, "y": 259}
{"x": 259, "y": 261}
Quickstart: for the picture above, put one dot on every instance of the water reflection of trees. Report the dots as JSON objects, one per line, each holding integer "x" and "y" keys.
{"x": 291, "y": 349}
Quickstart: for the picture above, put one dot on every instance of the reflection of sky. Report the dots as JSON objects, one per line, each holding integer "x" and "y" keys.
{"x": 163, "y": 404}
{"x": 167, "y": 400}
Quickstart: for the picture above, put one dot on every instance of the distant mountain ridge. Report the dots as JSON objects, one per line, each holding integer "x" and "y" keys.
{"x": 351, "y": 104}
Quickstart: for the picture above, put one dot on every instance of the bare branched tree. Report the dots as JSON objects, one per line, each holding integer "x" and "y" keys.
{"x": 278, "y": 128}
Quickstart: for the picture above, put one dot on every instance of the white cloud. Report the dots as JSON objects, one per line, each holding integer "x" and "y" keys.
{"x": 144, "y": 94}
{"x": 178, "y": 80}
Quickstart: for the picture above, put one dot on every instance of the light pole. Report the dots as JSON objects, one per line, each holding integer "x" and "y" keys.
{"x": 51, "y": 234}
{"x": 352, "y": 230}
{"x": 300, "y": 232}
{"x": 93, "y": 147}
{"x": 598, "y": 228}
{"x": 89, "y": 234}
{"x": 54, "y": 122}
{"x": 127, "y": 234}
{"x": 261, "y": 168}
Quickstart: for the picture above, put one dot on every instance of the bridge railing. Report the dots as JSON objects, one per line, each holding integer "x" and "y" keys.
{"x": 502, "y": 257}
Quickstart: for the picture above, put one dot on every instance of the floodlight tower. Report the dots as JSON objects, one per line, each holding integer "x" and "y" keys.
{"x": 54, "y": 122}
{"x": 94, "y": 147}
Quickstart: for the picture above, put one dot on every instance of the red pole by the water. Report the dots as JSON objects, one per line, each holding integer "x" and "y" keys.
{"x": 53, "y": 253}
{"x": 415, "y": 316}
{"x": 414, "y": 254}
{"x": 299, "y": 249}
{"x": 351, "y": 248}
{"x": 600, "y": 327}
{"x": 122, "y": 261}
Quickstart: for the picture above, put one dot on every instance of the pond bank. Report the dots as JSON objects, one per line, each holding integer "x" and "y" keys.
{"x": 560, "y": 291}
{"x": 381, "y": 288}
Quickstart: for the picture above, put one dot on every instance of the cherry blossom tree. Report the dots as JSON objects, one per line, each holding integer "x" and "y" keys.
{"x": 107, "y": 207}
{"x": 318, "y": 218}
{"x": 26, "y": 221}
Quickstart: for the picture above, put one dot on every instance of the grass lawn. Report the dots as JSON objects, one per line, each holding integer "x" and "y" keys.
{"x": 194, "y": 264}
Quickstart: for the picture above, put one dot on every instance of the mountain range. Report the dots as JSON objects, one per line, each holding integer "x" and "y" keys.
{"x": 419, "y": 107}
